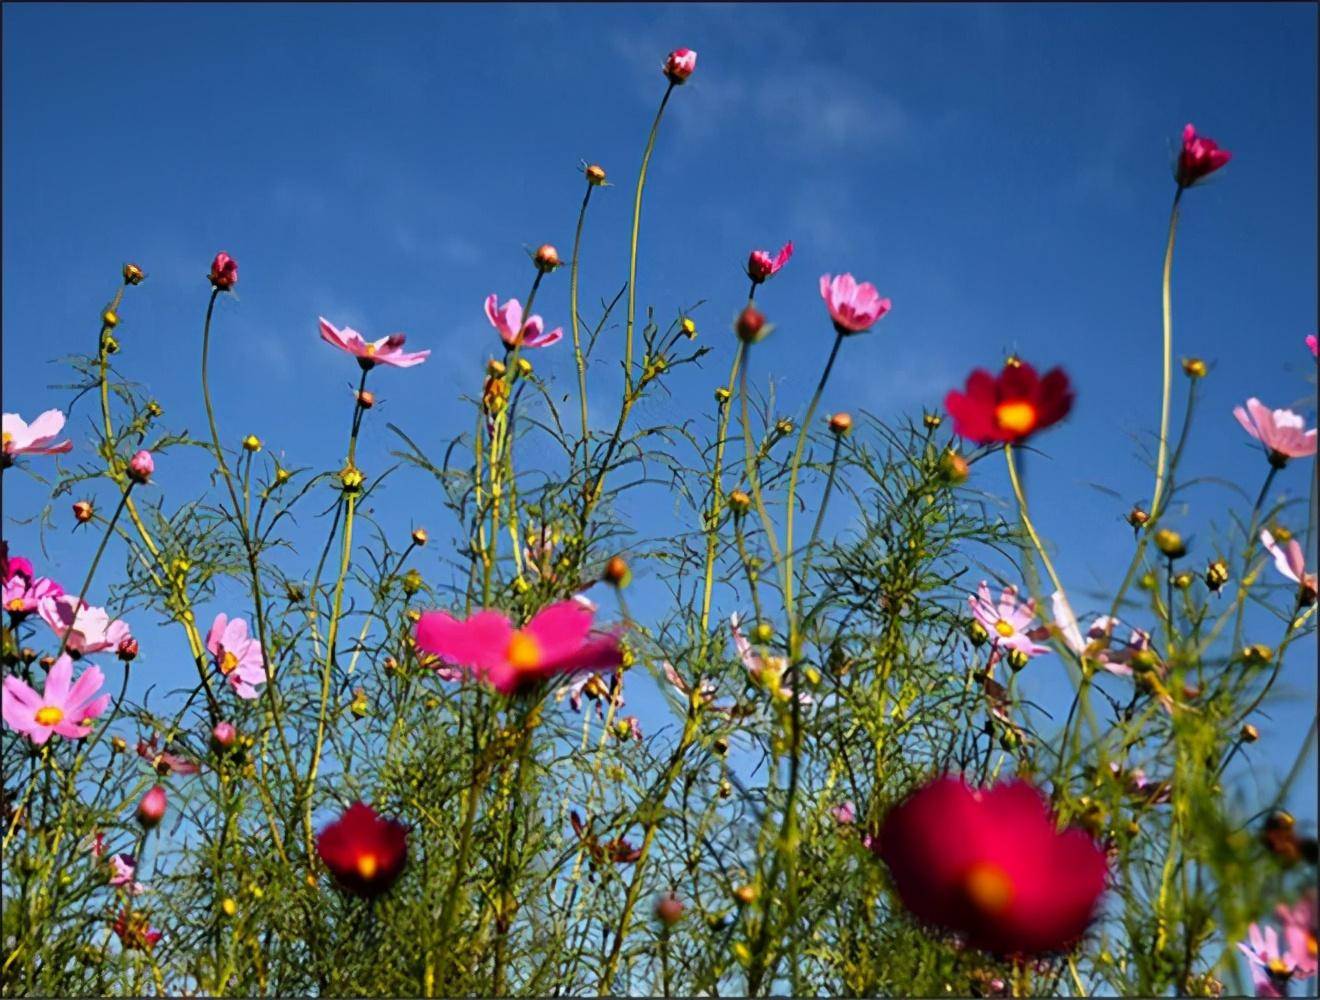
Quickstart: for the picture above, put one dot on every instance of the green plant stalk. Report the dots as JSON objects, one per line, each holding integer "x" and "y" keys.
{"x": 573, "y": 316}
{"x": 749, "y": 464}
{"x": 91, "y": 569}
{"x": 1161, "y": 461}
{"x": 716, "y": 502}
{"x": 632, "y": 248}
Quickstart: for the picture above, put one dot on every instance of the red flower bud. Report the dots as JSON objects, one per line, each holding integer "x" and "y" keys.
{"x": 223, "y": 735}
{"x": 141, "y": 466}
{"x": 751, "y": 325}
{"x": 669, "y": 910}
{"x": 83, "y": 511}
{"x": 679, "y": 65}
{"x": 224, "y": 272}
{"x": 1199, "y": 157}
{"x": 547, "y": 258}
{"x": 128, "y": 650}
{"x": 151, "y": 810}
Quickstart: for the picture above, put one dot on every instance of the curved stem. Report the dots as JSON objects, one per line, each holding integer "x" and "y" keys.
{"x": 716, "y": 499}
{"x": 632, "y": 251}
{"x": 91, "y": 570}
{"x": 573, "y": 314}
{"x": 1161, "y": 462}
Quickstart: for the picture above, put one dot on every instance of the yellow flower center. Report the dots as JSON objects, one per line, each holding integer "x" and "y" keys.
{"x": 1017, "y": 416}
{"x": 15, "y": 605}
{"x": 1278, "y": 967}
{"x": 49, "y": 715}
{"x": 367, "y": 865}
{"x": 524, "y": 651}
{"x": 1004, "y": 628}
{"x": 370, "y": 350}
{"x": 1311, "y": 945}
{"x": 228, "y": 663}
{"x": 989, "y": 887}
{"x": 6, "y": 438}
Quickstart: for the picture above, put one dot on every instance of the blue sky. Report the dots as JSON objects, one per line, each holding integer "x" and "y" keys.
{"x": 1001, "y": 172}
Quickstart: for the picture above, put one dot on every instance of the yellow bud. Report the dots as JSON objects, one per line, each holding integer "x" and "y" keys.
{"x": 688, "y": 327}
{"x": 412, "y": 582}
{"x": 932, "y": 420}
{"x": 252, "y": 443}
{"x": 595, "y": 174}
{"x": 154, "y": 409}
{"x": 109, "y": 319}
{"x": 739, "y": 502}
{"x": 282, "y": 476}
{"x": 763, "y": 632}
{"x": 1194, "y": 367}
{"x": 419, "y": 536}
{"x": 256, "y": 891}
{"x": 1137, "y": 517}
{"x": 721, "y": 395}
{"x": 229, "y": 905}
{"x": 840, "y": 424}
{"x": 414, "y": 615}
{"x": 1249, "y": 734}
{"x": 954, "y": 467}
{"x": 784, "y": 426}
{"x": 1257, "y": 653}
{"x": 1183, "y": 580}
{"x": 745, "y": 894}
{"x": 524, "y": 367}
{"x": 133, "y": 275}
{"x": 1170, "y": 543}
{"x": 351, "y": 477}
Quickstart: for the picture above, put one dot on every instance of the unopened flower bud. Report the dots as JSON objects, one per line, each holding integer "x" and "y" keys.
{"x": 1170, "y": 543}
{"x": 1257, "y": 653}
{"x": 224, "y": 272}
{"x": 27, "y": 654}
{"x": 390, "y": 664}
{"x": 751, "y": 325}
{"x": 784, "y": 427}
{"x": 745, "y": 894}
{"x": 1249, "y": 733}
{"x": 524, "y": 367}
{"x": 595, "y": 174}
{"x": 1137, "y": 517}
{"x": 1183, "y": 580}
{"x": 546, "y": 258}
{"x": 229, "y": 906}
{"x": 414, "y": 615}
{"x": 932, "y": 421}
{"x": 1194, "y": 367}
{"x": 720, "y": 745}
{"x": 83, "y": 511}
{"x": 252, "y": 443}
{"x": 141, "y": 466}
{"x": 762, "y": 632}
{"x": 617, "y": 572}
{"x": 1017, "y": 659}
{"x": 724, "y": 789}
{"x": 1144, "y": 661}
{"x": 118, "y": 744}
{"x": 668, "y": 910}
{"x": 722, "y": 395}
{"x": 109, "y": 344}
{"x": 412, "y": 582}
{"x": 977, "y": 634}
{"x": 133, "y": 275}
{"x": 954, "y": 467}
{"x": 495, "y": 368}
{"x": 223, "y": 735}
{"x": 109, "y": 319}
{"x": 419, "y": 536}
{"x": 840, "y": 424}
{"x": 128, "y": 649}
{"x": 47, "y": 662}
{"x": 739, "y": 502}
{"x": 359, "y": 706}
{"x": 365, "y": 398}
{"x": 689, "y": 327}
{"x": 151, "y": 810}
{"x": 351, "y": 478}
{"x": 282, "y": 475}
{"x": 679, "y": 65}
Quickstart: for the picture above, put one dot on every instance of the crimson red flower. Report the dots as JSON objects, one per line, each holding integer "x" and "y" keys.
{"x": 760, "y": 265}
{"x": 990, "y": 865}
{"x": 1199, "y": 157}
{"x": 1010, "y": 407}
{"x": 364, "y": 852}
{"x": 224, "y": 272}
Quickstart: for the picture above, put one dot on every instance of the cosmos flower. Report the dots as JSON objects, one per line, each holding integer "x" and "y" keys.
{"x": 1271, "y": 970}
{"x": 1098, "y": 644}
{"x": 135, "y": 931}
{"x": 1008, "y": 621}
{"x": 1200, "y": 156}
{"x": 369, "y": 353}
{"x": 592, "y": 686}
{"x": 90, "y": 630}
{"x": 558, "y": 640}
{"x": 991, "y": 865}
{"x": 760, "y": 265}
{"x": 679, "y": 65}
{"x": 364, "y": 852}
{"x": 1301, "y": 926}
{"x": 63, "y": 708}
{"x": 237, "y": 655}
{"x": 508, "y": 321}
{"x": 122, "y": 869}
{"x": 854, "y": 308}
{"x": 23, "y": 590}
{"x": 22, "y": 438}
{"x": 1290, "y": 560}
{"x": 1011, "y": 406}
{"x": 764, "y": 671}
{"x": 224, "y": 272}
{"x": 1282, "y": 432}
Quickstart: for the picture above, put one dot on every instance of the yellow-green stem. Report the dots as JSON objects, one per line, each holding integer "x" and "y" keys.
{"x": 1161, "y": 462}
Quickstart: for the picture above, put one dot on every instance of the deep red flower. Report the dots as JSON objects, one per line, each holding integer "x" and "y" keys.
{"x": 364, "y": 852}
{"x": 224, "y": 272}
{"x": 990, "y": 865}
{"x": 1011, "y": 407}
{"x": 135, "y": 931}
{"x": 760, "y": 265}
{"x": 1199, "y": 157}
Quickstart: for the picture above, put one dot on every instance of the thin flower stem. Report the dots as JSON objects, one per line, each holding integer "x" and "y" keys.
{"x": 749, "y": 464}
{"x": 91, "y": 569}
{"x": 632, "y": 250}
{"x": 1161, "y": 462}
{"x": 1026, "y": 519}
{"x": 716, "y": 499}
{"x": 573, "y": 315}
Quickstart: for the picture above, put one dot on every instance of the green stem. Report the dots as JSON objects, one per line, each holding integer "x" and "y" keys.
{"x": 632, "y": 251}
{"x": 91, "y": 570}
{"x": 573, "y": 314}
{"x": 1161, "y": 462}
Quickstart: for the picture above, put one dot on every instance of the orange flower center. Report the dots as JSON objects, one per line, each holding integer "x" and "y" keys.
{"x": 524, "y": 651}
{"x": 228, "y": 663}
{"x": 49, "y": 715}
{"x": 15, "y": 605}
{"x": 367, "y": 865}
{"x": 989, "y": 887}
{"x": 1017, "y": 416}
{"x": 370, "y": 350}
{"x": 1278, "y": 967}
{"x": 1004, "y": 628}
{"x": 7, "y": 437}
{"x": 1311, "y": 945}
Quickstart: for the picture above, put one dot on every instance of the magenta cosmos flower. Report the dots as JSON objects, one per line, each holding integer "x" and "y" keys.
{"x": 854, "y": 308}
{"x": 558, "y": 640}
{"x": 1011, "y": 406}
{"x": 1290, "y": 560}
{"x": 224, "y": 272}
{"x": 992, "y": 865}
{"x": 1301, "y": 926}
{"x": 1282, "y": 432}
{"x": 1313, "y": 344}
{"x": 61, "y": 708}
{"x": 679, "y": 65}
{"x": 23, "y": 590}
{"x": 90, "y": 630}
{"x": 237, "y": 655}
{"x": 22, "y": 438}
{"x": 369, "y": 353}
{"x": 1008, "y": 621}
{"x": 760, "y": 265}
{"x": 507, "y": 319}
{"x": 1199, "y": 157}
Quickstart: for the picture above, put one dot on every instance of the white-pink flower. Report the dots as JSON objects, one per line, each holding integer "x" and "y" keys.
{"x": 237, "y": 655}
{"x": 90, "y": 630}
{"x": 369, "y": 353}
{"x": 122, "y": 869}
{"x": 1008, "y": 621}
{"x": 63, "y": 708}
{"x": 1097, "y": 646}
{"x": 765, "y": 671}
{"x": 1282, "y": 432}
{"x": 507, "y": 319}
{"x": 1271, "y": 971}
{"x": 1301, "y": 924}
{"x": 853, "y": 307}
{"x": 22, "y": 438}
{"x": 1290, "y": 560}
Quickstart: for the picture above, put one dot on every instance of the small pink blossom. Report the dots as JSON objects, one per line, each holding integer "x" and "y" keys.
{"x": 854, "y": 308}
{"x": 237, "y": 655}
{"x": 1097, "y": 646}
{"x": 1313, "y": 344}
{"x": 164, "y": 762}
{"x": 1200, "y": 156}
{"x": 630, "y": 727}
{"x": 90, "y": 630}
{"x": 705, "y": 692}
{"x": 557, "y": 640}
{"x": 63, "y": 708}
{"x": 760, "y": 265}
{"x": 224, "y": 272}
{"x": 23, "y": 590}
{"x": 507, "y": 319}
{"x": 764, "y": 671}
{"x": 141, "y": 466}
{"x": 1301, "y": 926}
{"x": 679, "y": 65}
{"x": 592, "y": 686}
{"x": 1007, "y": 622}
{"x": 845, "y": 813}
{"x": 1290, "y": 560}
{"x": 1282, "y": 432}
{"x": 22, "y": 438}
{"x": 1271, "y": 971}
{"x": 122, "y": 869}
{"x": 369, "y": 353}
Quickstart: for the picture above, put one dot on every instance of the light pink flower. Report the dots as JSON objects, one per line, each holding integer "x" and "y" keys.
{"x": 679, "y": 65}
{"x": 1008, "y": 622}
{"x": 760, "y": 265}
{"x": 764, "y": 671}
{"x": 1282, "y": 432}
{"x": 634, "y": 727}
{"x": 22, "y": 438}
{"x": 141, "y": 466}
{"x": 238, "y": 656}
{"x": 1289, "y": 560}
{"x": 592, "y": 686}
{"x": 705, "y": 693}
{"x": 508, "y": 320}
{"x": 1270, "y": 970}
{"x": 1301, "y": 926}
{"x": 61, "y": 708}
{"x": 1313, "y": 344}
{"x": 854, "y": 308}
{"x": 1097, "y": 646}
{"x": 369, "y": 353}
{"x": 558, "y": 640}
{"x": 90, "y": 630}
{"x": 845, "y": 813}
{"x": 23, "y": 590}
{"x": 122, "y": 869}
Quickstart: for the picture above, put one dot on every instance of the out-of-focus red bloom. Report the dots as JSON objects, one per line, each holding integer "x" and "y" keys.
{"x": 1010, "y": 407}
{"x": 760, "y": 265}
{"x": 364, "y": 852}
{"x": 618, "y": 850}
{"x": 679, "y": 65}
{"x": 224, "y": 272}
{"x": 151, "y": 810}
{"x": 1200, "y": 157}
{"x": 163, "y": 761}
{"x": 135, "y": 931}
{"x": 990, "y": 865}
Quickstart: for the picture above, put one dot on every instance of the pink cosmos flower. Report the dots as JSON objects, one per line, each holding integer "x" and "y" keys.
{"x": 1301, "y": 926}
{"x": 705, "y": 693}
{"x": 1008, "y": 622}
{"x": 122, "y": 869}
{"x": 369, "y": 353}
{"x": 62, "y": 708}
{"x": 1313, "y": 344}
{"x": 845, "y": 813}
{"x": 1097, "y": 646}
{"x": 224, "y": 272}
{"x": 1200, "y": 157}
{"x": 508, "y": 320}
{"x": 1289, "y": 560}
{"x": 238, "y": 656}
{"x": 558, "y": 640}
{"x": 592, "y": 686}
{"x": 854, "y": 308}
{"x": 633, "y": 728}
{"x": 141, "y": 466}
{"x": 764, "y": 671}
{"x": 163, "y": 761}
{"x": 23, "y": 590}
{"x": 1270, "y": 970}
{"x": 760, "y": 265}
{"x": 90, "y": 630}
{"x": 22, "y": 438}
{"x": 679, "y": 65}
{"x": 1282, "y": 432}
